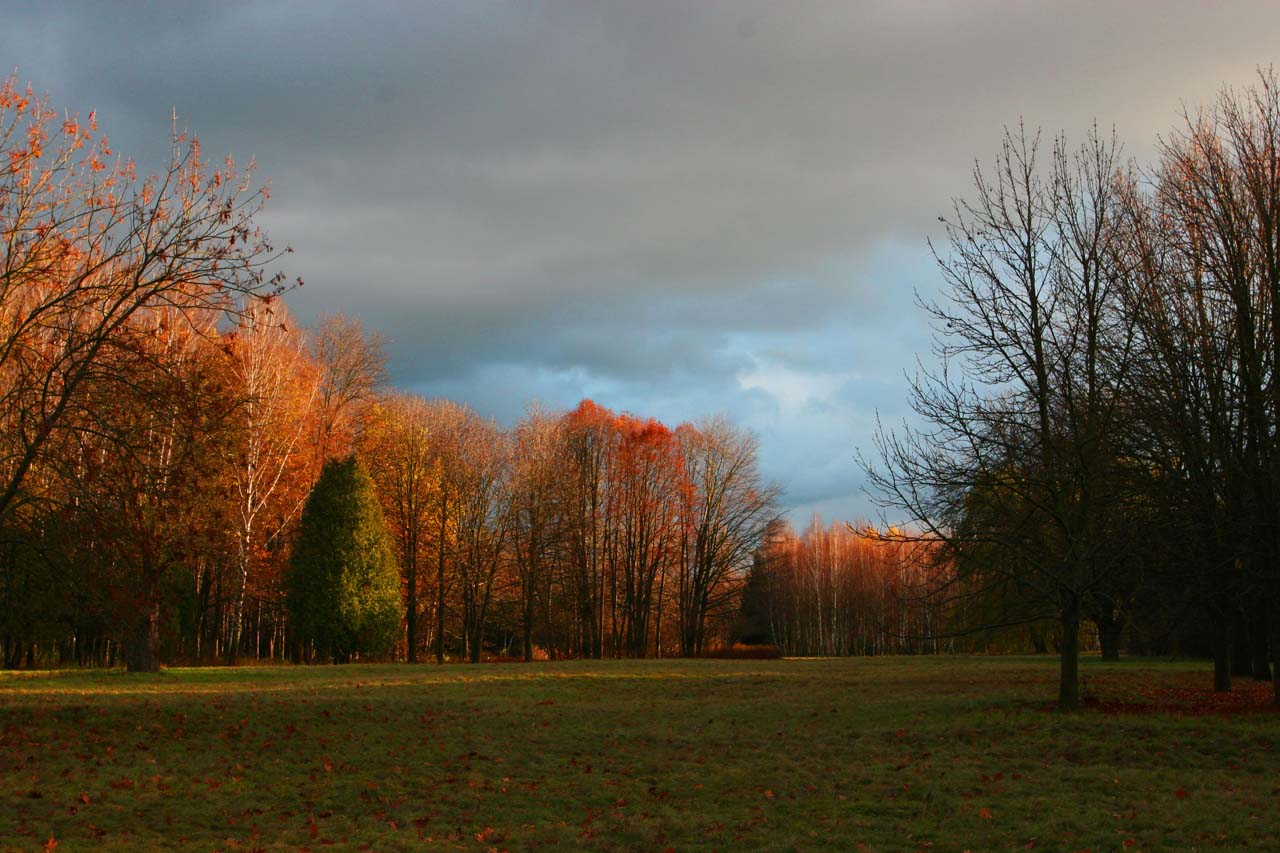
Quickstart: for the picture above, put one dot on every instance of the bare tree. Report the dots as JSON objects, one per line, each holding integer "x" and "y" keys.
{"x": 399, "y": 446}
{"x": 448, "y": 431}
{"x": 353, "y": 367}
{"x": 536, "y": 514}
{"x": 645, "y": 501}
{"x": 1213, "y": 317}
{"x": 728, "y": 510}
{"x": 482, "y": 522}
{"x": 1014, "y": 470}
{"x": 590, "y": 447}
{"x": 277, "y": 387}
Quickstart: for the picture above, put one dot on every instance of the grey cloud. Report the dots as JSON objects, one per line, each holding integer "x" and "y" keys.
{"x": 643, "y": 202}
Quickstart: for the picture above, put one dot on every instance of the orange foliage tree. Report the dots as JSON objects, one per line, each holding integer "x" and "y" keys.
{"x": 88, "y": 246}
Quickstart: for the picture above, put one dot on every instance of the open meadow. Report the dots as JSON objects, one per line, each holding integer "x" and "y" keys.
{"x": 889, "y": 753}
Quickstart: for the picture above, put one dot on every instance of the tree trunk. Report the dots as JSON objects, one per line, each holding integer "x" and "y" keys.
{"x": 411, "y": 613}
{"x": 657, "y": 628}
{"x": 527, "y": 643}
{"x": 237, "y": 610}
{"x": 144, "y": 642}
{"x": 12, "y": 653}
{"x": 444, "y": 517}
{"x": 1069, "y": 670}
{"x": 1220, "y": 628}
{"x": 1260, "y": 642}
{"x": 1274, "y": 633}
{"x": 1241, "y": 646}
{"x": 1038, "y": 640}
{"x": 1109, "y": 631}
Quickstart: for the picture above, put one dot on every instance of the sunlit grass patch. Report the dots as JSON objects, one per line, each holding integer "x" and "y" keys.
{"x": 893, "y": 753}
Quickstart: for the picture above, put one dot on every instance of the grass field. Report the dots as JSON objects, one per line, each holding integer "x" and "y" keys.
{"x": 893, "y": 754}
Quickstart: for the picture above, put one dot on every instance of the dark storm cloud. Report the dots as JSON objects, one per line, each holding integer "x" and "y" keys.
{"x": 676, "y": 208}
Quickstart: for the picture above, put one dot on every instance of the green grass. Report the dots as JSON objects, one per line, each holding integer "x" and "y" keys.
{"x": 900, "y": 753}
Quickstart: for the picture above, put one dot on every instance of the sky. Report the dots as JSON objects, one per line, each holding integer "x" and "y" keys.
{"x": 675, "y": 209}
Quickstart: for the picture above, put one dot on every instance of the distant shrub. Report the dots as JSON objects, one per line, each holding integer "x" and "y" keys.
{"x": 741, "y": 651}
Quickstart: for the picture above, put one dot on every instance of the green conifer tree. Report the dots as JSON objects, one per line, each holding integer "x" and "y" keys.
{"x": 343, "y": 584}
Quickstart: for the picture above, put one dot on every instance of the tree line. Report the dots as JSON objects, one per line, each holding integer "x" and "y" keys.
{"x": 844, "y": 589}
{"x": 168, "y": 520}
{"x": 166, "y": 423}
{"x": 1099, "y": 442}
{"x": 840, "y": 589}
{"x": 578, "y": 534}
